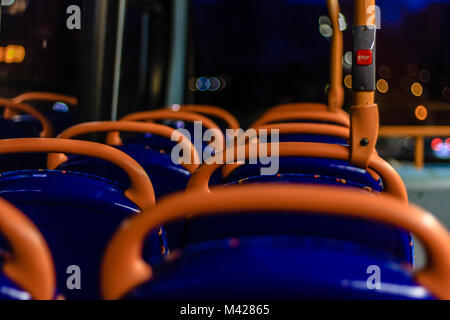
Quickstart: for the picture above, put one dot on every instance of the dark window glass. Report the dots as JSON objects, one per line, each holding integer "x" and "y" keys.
{"x": 270, "y": 52}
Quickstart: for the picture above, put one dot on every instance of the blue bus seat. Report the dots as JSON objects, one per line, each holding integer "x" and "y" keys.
{"x": 77, "y": 214}
{"x": 277, "y": 268}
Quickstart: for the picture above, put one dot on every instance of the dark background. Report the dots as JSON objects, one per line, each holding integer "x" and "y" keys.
{"x": 271, "y": 52}
{"x": 267, "y": 52}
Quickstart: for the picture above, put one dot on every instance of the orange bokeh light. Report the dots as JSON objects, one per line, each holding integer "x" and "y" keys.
{"x": 14, "y": 54}
{"x": 421, "y": 112}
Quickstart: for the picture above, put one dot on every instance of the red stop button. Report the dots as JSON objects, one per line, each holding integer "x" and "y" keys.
{"x": 364, "y": 57}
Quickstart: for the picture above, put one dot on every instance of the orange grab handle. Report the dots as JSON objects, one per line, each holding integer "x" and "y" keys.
{"x": 141, "y": 190}
{"x": 46, "y": 96}
{"x": 214, "y": 111}
{"x": 157, "y": 115}
{"x": 339, "y": 118}
{"x": 47, "y": 128}
{"x": 392, "y": 182}
{"x": 130, "y": 126}
{"x": 31, "y": 264}
{"x": 123, "y": 267}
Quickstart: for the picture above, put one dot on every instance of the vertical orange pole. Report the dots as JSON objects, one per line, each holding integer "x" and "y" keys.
{"x": 364, "y": 118}
{"x": 364, "y": 16}
{"x": 336, "y": 93}
{"x": 364, "y": 13}
{"x": 419, "y": 152}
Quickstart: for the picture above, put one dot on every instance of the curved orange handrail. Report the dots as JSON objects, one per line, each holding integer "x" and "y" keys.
{"x": 31, "y": 264}
{"x": 40, "y": 96}
{"x": 124, "y": 269}
{"x": 392, "y": 182}
{"x": 419, "y": 133}
{"x": 158, "y": 115}
{"x": 140, "y": 191}
{"x": 131, "y": 126}
{"x": 339, "y": 118}
{"x": 307, "y": 128}
{"x": 47, "y": 128}
{"x": 298, "y": 106}
{"x": 45, "y": 96}
{"x": 214, "y": 111}
{"x": 314, "y": 129}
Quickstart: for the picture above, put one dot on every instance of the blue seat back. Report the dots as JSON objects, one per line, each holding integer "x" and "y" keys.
{"x": 293, "y": 170}
{"x": 20, "y": 127}
{"x": 166, "y": 176}
{"x": 77, "y": 215}
{"x": 278, "y": 268}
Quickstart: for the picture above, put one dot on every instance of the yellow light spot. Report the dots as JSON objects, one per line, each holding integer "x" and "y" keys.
{"x": 421, "y": 113}
{"x": 382, "y": 86}
{"x": 327, "y": 87}
{"x": 348, "y": 81}
{"x": 14, "y": 54}
{"x": 417, "y": 89}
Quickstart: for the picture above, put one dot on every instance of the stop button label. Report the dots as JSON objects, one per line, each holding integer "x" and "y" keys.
{"x": 364, "y": 57}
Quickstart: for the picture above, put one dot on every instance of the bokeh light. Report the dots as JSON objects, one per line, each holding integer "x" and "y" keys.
{"x": 425, "y": 75}
{"x": 327, "y": 88}
{"x": 417, "y": 89}
{"x": 348, "y": 81}
{"x": 14, "y": 54}
{"x": 440, "y": 148}
{"x": 326, "y": 30}
{"x": 412, "y": 69}
{"x": 385, "y": 72}
{"x": 348, "y": 58}
{"x": 382, "y": 86}
{"x": 446, "y": 93}
{"x": 421, "y": 113}
{"x": 324, "y": 20}
{"x": 342, "y": 22}
{"x": 176, "y": 107}
{"x": 202, "y": 84}
{"x": 436, "y": 144}
{"x": 60, "y": 107}
{"x": 215, "y": 84}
